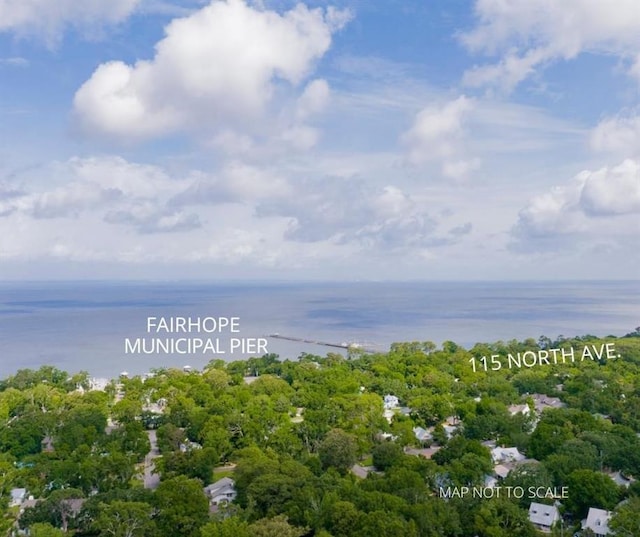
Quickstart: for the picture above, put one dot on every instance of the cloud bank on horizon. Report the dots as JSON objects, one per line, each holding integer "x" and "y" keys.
{"x": 275, "y": 139}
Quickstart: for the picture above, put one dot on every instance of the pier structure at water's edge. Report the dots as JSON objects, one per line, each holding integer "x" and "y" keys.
{"x": 348, "y": 346}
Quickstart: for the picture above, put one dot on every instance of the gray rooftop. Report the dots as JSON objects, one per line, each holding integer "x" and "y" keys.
{"x": 543, "y": 515}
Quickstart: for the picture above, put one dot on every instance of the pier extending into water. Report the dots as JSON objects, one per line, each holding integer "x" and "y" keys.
{"x": 347, "y": 346}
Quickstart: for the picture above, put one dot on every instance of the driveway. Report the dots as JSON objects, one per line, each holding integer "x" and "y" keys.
{"x": 151, "y": 479}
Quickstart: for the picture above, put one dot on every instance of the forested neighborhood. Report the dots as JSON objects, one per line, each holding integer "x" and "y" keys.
{"x": 390, "y": 444}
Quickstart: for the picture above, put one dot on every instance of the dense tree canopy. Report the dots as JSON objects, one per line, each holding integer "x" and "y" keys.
{"x": 290, "y": 438}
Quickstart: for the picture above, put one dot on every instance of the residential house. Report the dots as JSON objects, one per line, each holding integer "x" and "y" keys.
{"x": 157, "y": 407}
{"x": 222, "y": 491}
{"x": 501, "y": 455}
{"x": 388, "y": 414}
{"x": 17, "y": 497}
{"x": 423, "y": 435}
{"x": 188, "y": 445}
{"x": 361, "y": 471}
{"x": 98, "y": 384}
{"x": 501, "y": 471}
{"x": 542, "y": 516}
{"x": 597, "y": 521}
{"x": 390, "y": 406}
{"x": 391, "y": 402}
{"x": 451, "y": 425}
{"x": 519, "y": 409}
{"x": 542, "y": 402}
{"x": 620, "y": 479}
{"x": 450, "y": 430}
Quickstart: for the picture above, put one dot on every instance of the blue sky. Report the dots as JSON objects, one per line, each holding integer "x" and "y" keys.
{"x": 351, "y": 140}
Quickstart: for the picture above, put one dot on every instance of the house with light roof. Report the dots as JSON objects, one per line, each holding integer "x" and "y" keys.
{"x": 597, "y": 521}
{"x": 222, "y": 491}
{"x": 519, "y": 409}
{"x": 501, "y": 455}
{"x": 17, "y": 497}
{"x": 542, "y": 516}
{"x": 390, "y": 402}
{"x": 620, "y": 479}
{"x": 423, "y": 435}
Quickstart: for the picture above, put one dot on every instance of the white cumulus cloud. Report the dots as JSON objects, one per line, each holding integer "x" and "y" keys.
{"x": 612, "y": 191}
{"x": 220, "y": 69}
{"x": 348, "y": 211}
{"x": 122, "y": 191}
{"x": 619, "y": 135}
{"x": 48, "y": 18}
{"x": 596, "y": 205}
{"x": 237, "y": 182}
{"x": 438, "y": 134}
{"x": 529, "y": 33}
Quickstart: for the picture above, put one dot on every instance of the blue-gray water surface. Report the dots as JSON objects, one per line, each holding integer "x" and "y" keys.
{"x": 83, "y": 325}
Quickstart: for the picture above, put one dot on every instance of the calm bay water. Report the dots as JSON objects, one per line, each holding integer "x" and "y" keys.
{"x": 83, "y": 325}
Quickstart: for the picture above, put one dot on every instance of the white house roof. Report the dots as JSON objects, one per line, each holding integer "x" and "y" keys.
{"x": 422, "y": 434}
{"x": 511, "y": 454}
{"x": 597, "y": 521}
{"x": 98, "y": 383}
{"x": 621, "y": 480}
{"x": 543, "y": 515}
{"x": 391, "y": 401}
{"x": 225, "y": 484}
{"x": 518, "y": 409}
{"x": 17, "y": 495}
{"x": 450, "y": 430}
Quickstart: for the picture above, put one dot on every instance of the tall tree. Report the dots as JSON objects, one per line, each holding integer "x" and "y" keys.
{"x": 625, "y": 521}
{"x": 275, "y": 527}
{"x": 338, "y": 450}
{"x": 590, "y": 489}
{"x": 126, "y": 519}
{"x": 386, "y": 454}
{"x": 228, "y": 527}
{"x": 182, "y": 506}
{"x": 44, "y": 529}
